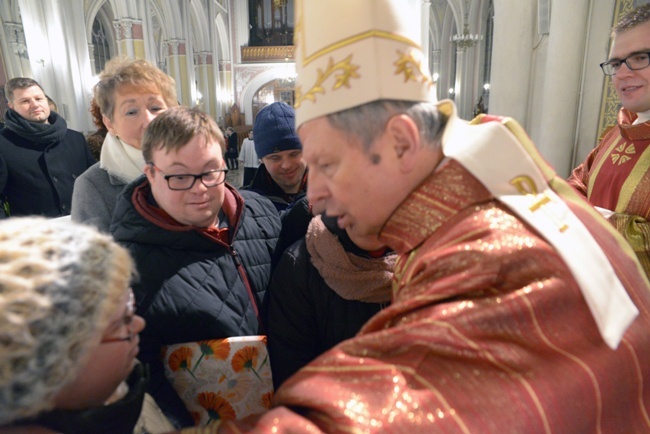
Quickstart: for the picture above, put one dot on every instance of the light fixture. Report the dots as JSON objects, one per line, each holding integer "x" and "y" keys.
{"x": 288, "y": 76}
{"x": 466, "y": 39}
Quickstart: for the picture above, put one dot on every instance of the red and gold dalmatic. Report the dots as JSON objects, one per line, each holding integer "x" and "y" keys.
{"x": 488, "y": 332}
{"x": 616, "y": 176}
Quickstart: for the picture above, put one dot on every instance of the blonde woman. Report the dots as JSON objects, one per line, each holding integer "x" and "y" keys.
{"x": 130, "y": 94}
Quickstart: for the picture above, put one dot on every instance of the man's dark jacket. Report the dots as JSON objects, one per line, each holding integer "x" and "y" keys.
{"x": 265, "y": 185}
{"x": 191, "y": 287}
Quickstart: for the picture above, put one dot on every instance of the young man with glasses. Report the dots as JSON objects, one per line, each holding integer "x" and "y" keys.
{"x": 615, "y": 177}
{"x": 202, "y": 248}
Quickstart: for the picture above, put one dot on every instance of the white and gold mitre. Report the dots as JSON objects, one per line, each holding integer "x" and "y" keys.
{"x": 351, "y": 52}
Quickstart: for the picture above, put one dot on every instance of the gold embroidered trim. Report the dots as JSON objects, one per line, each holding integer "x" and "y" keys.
{"x": 346, "y": 71}
{"x": 306, "y": 60}
{"x": 407, "y": 64}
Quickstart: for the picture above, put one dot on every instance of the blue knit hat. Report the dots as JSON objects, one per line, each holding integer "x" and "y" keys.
{"x": 275, "y": 130}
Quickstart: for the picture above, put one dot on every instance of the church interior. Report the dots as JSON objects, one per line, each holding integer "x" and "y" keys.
{"x": 533, "y": 60}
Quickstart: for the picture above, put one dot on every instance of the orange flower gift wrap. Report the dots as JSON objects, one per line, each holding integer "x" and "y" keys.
{"x": 222, "y": 378}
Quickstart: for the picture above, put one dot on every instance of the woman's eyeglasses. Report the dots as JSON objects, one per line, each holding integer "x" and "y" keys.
{"x": 127, "y": 320}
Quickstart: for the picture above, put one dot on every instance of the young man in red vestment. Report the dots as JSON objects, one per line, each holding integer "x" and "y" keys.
{"x": 615, "y": 177}
{"x": 516, "y": 308}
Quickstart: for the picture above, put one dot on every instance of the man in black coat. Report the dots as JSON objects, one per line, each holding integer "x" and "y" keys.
{"x": 40, "y": 158}
{"x": 232, "y": 149}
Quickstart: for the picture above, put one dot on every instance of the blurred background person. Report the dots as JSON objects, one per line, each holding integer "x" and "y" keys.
{"x": 96, "y": 139}
{"x": 232, "y": 149}
{"x": 130, "y": 93}
{"x": 40, "y": 157}
{"x": 52, "y": 104}
{"x": 69, "y": 333}
{"x": 249, "y": 158}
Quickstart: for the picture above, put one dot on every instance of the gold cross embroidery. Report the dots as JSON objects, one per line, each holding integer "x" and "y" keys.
{"x": 526, "y": 186}
{"x": 623, "y": 153}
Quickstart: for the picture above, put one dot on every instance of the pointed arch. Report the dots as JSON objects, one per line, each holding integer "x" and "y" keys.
{"x": 90, "y": 13}
{"x": 259, "y": 81}
{"x": 159, "y": 34}
{"x": 222, "y": 37}
{"x": 200, "y": 30}
{"x": 171, "y": 18}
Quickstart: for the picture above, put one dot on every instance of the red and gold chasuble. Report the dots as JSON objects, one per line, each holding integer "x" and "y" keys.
{"x": 616, "y": 176}
{"x": 488, "y": 332}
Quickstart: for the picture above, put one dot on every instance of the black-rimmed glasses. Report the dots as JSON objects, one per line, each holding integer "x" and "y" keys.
{"x": 185, "y": 181}
{"x": 634, "y": 62}
{"x": 127, "y": 320}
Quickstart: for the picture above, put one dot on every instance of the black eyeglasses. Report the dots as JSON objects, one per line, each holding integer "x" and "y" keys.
{"x": 634, "y": 62}
{"x": 185, "y": 181}
{"x": 127, "y": 320}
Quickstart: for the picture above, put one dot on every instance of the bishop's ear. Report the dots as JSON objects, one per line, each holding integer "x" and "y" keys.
{"x": 405, "y": 138}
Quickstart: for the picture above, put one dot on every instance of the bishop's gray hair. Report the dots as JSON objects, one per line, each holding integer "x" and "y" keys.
{"x": 368, "y": 121}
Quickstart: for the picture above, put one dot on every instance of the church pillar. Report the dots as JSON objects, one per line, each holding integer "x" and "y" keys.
{"x": 205, "y": 83}
{"x": 555, "y": 97}
{"x": 425, "y": 10}
{"x": 16, "y": 56}
{"x": 226, "y": 92}
{"x": 128, "y": 34}
{"x": 512, "y": 53}
{"x": 58, "y": 56}
{"x": 177, "y": 68}
{"x": 461, "y": 85}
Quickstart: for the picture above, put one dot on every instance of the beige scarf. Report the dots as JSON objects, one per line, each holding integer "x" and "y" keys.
{"x": 121, "y": 160}
{"x": 350, "y": 276}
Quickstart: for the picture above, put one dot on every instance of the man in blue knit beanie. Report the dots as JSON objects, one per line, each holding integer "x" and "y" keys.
{"x": 282, "y": 176}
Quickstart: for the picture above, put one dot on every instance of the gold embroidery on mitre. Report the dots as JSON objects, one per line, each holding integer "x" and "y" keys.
{"x": 370, "y": 34}
{"x": 624, "y": 148}
{"x": 411, "y": 67}
{"x": 526, "y": 186}
{"x": 346, "y": 71}
{"x": 298, "y": 32}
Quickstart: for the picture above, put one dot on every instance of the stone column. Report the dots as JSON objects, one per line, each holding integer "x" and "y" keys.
{"x": 177, "y": 61}
{"x": 205, "y": 82}
{"x": 128, "y": 34}
{"x": 58, "y": 54}
{"x": 16, "y": 56}
{"x": 226, "y": 92}
{"x": 425, "y": 9}
{"x": 555, "y": 96}
{"x": 512, "y": 53}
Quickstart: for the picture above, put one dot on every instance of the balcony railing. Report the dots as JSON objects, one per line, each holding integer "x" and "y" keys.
{"x": 267, "y": 54}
